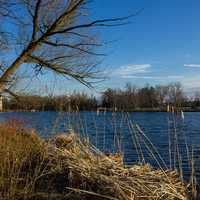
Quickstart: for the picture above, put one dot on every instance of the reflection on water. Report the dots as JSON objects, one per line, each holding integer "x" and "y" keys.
{"x": 173, "y": 137}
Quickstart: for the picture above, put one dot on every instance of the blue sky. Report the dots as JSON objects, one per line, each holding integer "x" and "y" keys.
{"x": 160, "y": 45}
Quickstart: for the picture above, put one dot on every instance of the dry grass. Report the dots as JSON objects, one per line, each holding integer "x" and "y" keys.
{"x": 67, "y": 167}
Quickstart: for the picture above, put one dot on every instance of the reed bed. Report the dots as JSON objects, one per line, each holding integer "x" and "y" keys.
{"x": 68, "y": 167}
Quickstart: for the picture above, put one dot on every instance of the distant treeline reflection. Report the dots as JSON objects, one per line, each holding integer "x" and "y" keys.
{"x": 130, "y": 98}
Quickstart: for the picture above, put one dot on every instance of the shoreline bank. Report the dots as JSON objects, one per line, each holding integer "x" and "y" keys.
{"x": 67, "y": 167}
{"x": 109, "y": 110}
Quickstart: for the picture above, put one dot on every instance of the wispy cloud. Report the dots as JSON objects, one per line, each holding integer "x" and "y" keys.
{"x": 142, "y": 77}
{"x": 131, "y": 70}
{"x": 141, "y": 71}
{"x": 191, "y": 82}
{"x": 175, "y": 77}
{"x": 170, "y": 77}
{"x": 192, "y": 65}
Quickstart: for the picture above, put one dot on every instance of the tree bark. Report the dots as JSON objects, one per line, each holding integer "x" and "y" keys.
{"x": 4, "y": 79}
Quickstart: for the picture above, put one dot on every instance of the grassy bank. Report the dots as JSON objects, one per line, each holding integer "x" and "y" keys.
{"x": 66, "y": 167}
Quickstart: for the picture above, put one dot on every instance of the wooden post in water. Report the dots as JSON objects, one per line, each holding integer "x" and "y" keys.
{"x": 1, "y": 103}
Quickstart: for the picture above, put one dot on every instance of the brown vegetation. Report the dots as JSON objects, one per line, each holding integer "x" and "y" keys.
{"x": 66, "y": 167}
{"x": 148, "y": 96}
{"x": 132, "y": 98}
{"x": 74, "y": 102}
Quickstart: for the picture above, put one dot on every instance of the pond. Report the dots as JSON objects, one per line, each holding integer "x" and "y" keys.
{"x": 159, "y": 138}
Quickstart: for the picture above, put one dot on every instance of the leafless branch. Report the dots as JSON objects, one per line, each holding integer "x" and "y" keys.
{"x": 35, "y": 18}
{"x": 52, "y": 35}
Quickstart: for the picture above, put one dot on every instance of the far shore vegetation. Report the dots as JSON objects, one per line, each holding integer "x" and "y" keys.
{"x": 131, "y": 98}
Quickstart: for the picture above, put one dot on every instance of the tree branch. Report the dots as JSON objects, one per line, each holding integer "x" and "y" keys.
{"x": 64, "y": 71}
{"x": 91, "y": 24}
{"x": 35, "y": 18}
{"x": 65, "y": 14}
{"x": 76, "y": 46}
{"x": 11, "y": 93}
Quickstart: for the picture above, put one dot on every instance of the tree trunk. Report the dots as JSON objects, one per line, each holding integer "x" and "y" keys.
{"x": 4, "y": 79}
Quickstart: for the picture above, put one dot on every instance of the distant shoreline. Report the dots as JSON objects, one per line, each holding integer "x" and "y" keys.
{"x": 184, "y": 109}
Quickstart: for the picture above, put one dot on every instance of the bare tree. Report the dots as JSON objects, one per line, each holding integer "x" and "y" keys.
{"x": 51, "y": 35}
{"x": 3, "y": 35}
{"x": 175, "y": 94}
{"x": 162, "y": 92}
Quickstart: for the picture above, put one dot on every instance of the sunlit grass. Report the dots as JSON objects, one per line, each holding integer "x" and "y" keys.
{"x": 67, "y": 167}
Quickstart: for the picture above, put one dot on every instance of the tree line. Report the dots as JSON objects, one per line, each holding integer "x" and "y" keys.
{"x": 132, "y": 97}
{"x": 150, "y": 97}
{"x": 128, "y": 99}
{"x": 73, "y": 102}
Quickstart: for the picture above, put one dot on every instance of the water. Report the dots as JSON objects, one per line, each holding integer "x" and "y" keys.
{"x": 113, "y": 132}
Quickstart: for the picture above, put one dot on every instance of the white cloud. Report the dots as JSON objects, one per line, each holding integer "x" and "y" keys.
{"x": 176, "y": 77}
{"x": 142, "y": 77}
{"x": 131, "y": 70}
{"x": 191, "y": 82}
{"x": 192, "y": 65}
